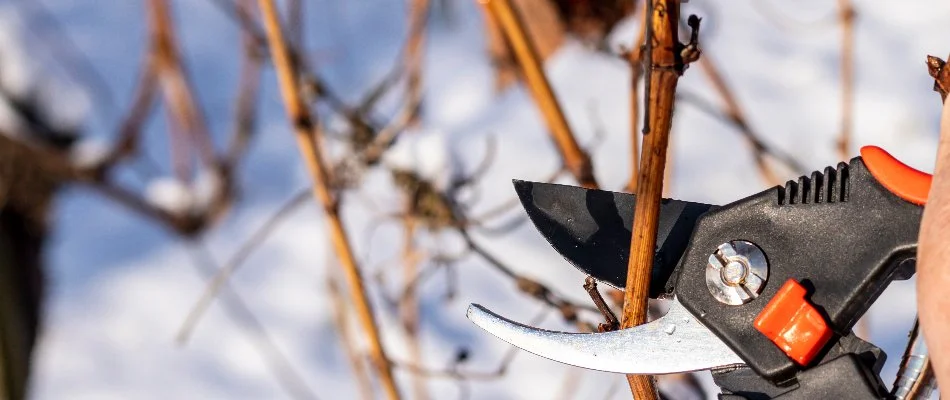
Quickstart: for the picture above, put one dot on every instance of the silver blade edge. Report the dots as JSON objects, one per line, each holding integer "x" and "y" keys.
{"x": 674, "y": 343}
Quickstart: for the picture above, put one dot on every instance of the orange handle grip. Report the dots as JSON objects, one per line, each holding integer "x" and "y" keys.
{"x": 899, "y": 178}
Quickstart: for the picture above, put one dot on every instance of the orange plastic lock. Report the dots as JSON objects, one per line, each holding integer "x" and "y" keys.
{"x": 899, "y": 178}
{"x": 793, "y": 324}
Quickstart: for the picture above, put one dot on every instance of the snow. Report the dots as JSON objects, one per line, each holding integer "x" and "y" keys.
{"x": 180, "y": 198}
{"x": 27, "y": 76}
{"x": 89, "y": 151}
{"x": 17, "y": 69}
{"x": 205, "y": 188}
{"x": 10, "y": 120}
{"x": 425, "y": 152}
{"x": 170, "y": 195}
{"x": 65, "y": 105}
{"x": 120, "y": 287}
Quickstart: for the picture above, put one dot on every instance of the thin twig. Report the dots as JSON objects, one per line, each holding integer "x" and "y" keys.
{"x": 734, "y": 113}
{"x": 611, "y": 323}
{"x": 409, "y": 305}
{"x": 664, "y": 65}
{"x": 532, "y": 287}
{"x": 245, "y": 105}
{"x": 418, "y": 14}
{"x": 636, "y": 72}
{"x": 500, "y": 209}
{"x": 236, "y": 308}
{"x": 456, "y": 374}
{"x": 847, "y": 14}
{"x": 308, "y": 133}
{"x": 127, "y": 139}
{"x": 178, "y": 92}
{"x": 243, "y": 18}
{"x": 409, "y": 114}
{"x": 222, "y": 275}
{"x": 762, "y": 151}
{"x": 512, "y": 25}
{"x": 571, "y": 383}
{"x": 314, "y": 86}
{"x": 339, "y": 306}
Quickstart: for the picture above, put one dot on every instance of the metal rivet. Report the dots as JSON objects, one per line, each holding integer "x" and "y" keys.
{"x": 736, "y": 272}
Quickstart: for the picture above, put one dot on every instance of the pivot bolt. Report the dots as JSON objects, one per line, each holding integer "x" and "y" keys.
{"x": 736, "y": 272}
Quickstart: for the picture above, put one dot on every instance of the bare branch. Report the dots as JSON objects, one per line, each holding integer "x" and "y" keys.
{"x": 575, "y": 159}
{"x": 308, "y": 133}
{"x": 235, "y": 307}
{"x": 245, "y": 106}
{"x": 611, "y": 322}
{"x": 339, "y": 307}
{"x": 222, "y": 275}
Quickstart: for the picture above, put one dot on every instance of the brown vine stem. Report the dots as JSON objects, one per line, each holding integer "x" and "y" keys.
{"x": 664, "y": 65}
{"x": 178, "y": 92}
{"x": 846, "y": 14}
{"x": 418, "y": 14}
{"x": 512, "y": 25}
{"x": 307, "y": 133}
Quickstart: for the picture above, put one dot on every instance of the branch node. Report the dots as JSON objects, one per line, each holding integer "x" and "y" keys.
{"x": 937, "y": 69}
{"x": 611, "y": 323}
{"x": 690, "y": 52}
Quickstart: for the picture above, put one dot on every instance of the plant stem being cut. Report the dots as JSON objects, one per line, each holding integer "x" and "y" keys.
{"x": 665, "y": 61}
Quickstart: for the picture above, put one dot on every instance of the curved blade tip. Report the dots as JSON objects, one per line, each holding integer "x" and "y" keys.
{"x": 672, "y": 344}
{"x": 479, "y": 315}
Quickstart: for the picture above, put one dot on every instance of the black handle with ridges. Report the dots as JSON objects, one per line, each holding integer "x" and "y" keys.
{"x": 842, "y": 234}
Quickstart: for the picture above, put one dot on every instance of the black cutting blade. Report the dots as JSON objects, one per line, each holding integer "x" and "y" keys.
{"x": 591, "y": 229}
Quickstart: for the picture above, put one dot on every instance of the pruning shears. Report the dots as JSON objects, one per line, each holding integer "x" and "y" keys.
{"x": 765, "y": 290}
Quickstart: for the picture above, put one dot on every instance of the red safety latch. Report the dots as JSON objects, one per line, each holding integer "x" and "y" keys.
{"x": 793, "y": 324}
{"x": 899, "y": 178}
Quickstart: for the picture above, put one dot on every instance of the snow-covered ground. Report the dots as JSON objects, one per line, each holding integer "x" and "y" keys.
{"x": 119, "y": 288}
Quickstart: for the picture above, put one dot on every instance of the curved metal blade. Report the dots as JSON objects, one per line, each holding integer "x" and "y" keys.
{"x": 675, "y": 343}
{"x": 591, "y": 229}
